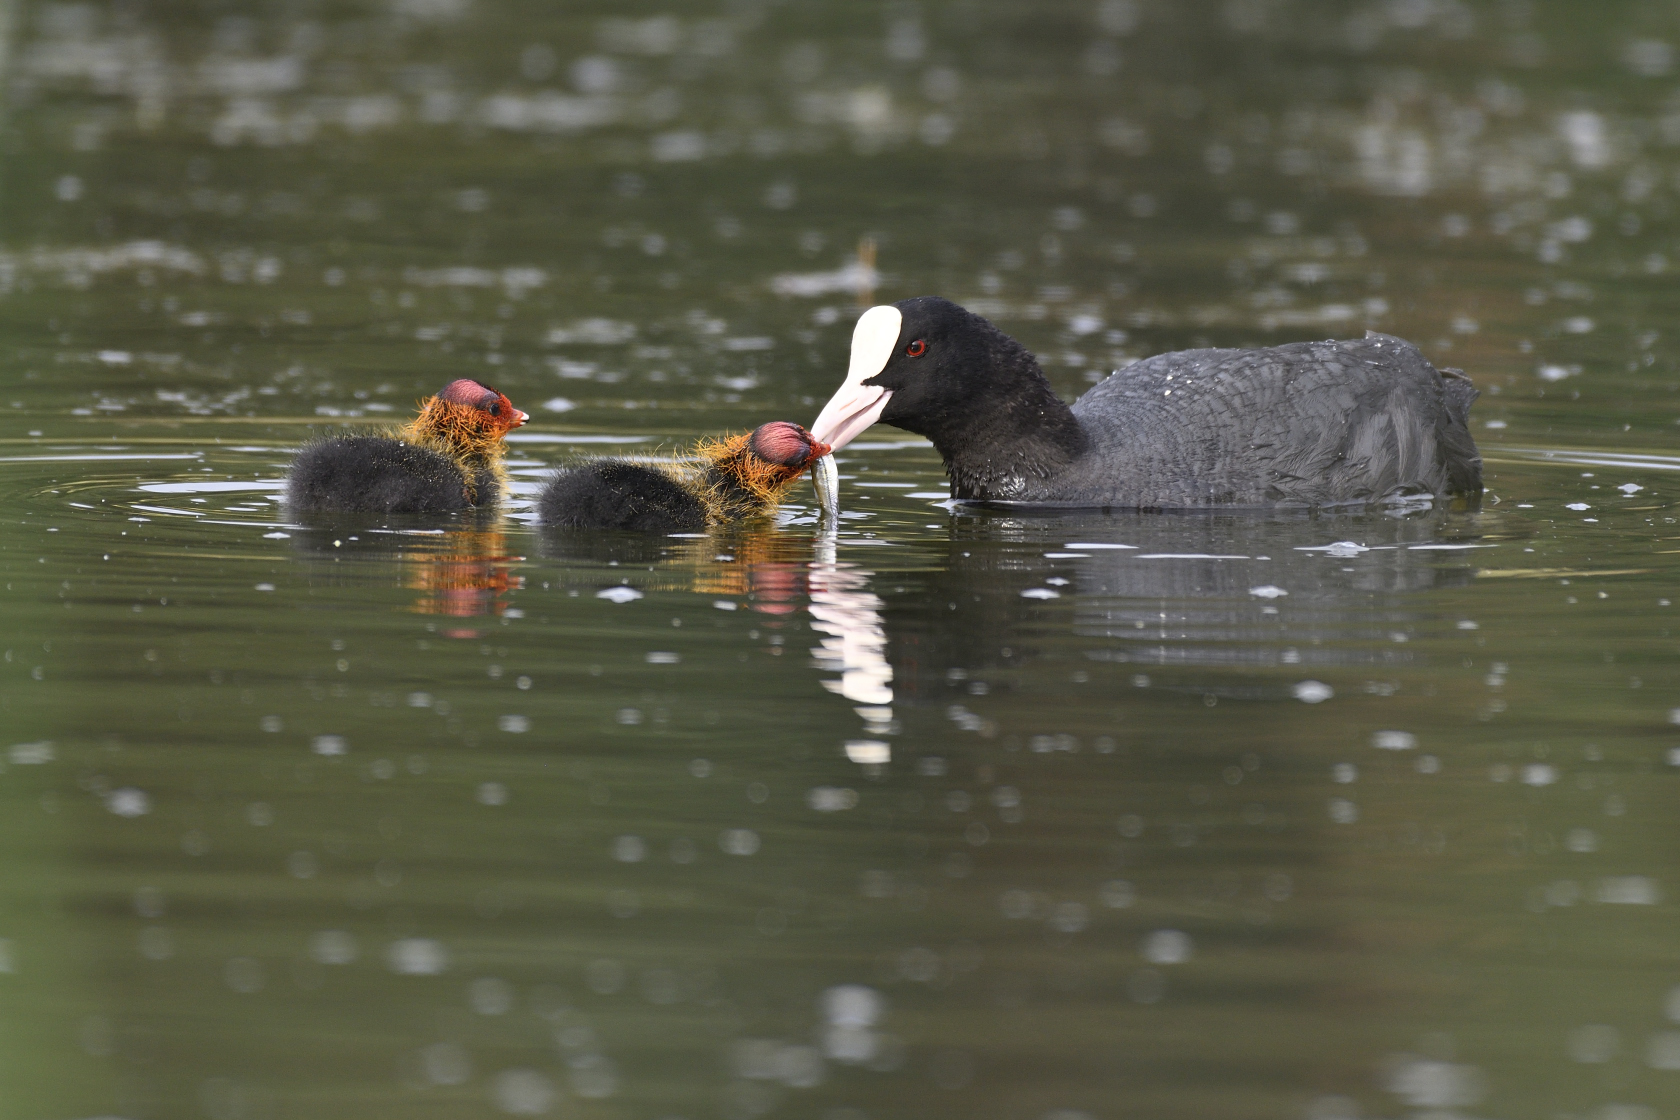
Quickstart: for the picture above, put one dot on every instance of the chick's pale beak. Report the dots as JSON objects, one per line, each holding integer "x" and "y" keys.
{"x": 519, "y": 418}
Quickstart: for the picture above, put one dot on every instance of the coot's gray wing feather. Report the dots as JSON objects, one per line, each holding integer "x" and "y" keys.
{"x": 1306, "y": 423}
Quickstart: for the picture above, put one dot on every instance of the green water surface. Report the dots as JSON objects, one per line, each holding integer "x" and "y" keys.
{"x": 957, "y": 813}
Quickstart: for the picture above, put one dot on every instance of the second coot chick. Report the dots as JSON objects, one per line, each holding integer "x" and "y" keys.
{"x": 723, "y": 482}
{"x": 448, "y": 458}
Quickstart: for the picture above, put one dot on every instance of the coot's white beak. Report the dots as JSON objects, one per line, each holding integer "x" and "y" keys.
{"x": 856, "y": 406}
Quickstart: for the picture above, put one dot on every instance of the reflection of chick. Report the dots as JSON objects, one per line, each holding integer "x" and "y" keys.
{"x": 448, "y": 458}
{"x": 463, "y": 574}
{"x": 724, "y": 482}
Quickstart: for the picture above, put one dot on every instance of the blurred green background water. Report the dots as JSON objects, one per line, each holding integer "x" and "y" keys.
{"x": 959, "y": 814}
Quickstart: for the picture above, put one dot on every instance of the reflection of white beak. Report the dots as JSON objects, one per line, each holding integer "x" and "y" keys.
{"x": 855, "y": 406}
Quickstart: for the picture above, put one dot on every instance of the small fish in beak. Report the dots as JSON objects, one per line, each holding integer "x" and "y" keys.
{"x": 825, "y": 476}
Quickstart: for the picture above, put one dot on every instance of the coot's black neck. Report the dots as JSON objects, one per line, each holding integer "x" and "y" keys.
{"x": 1013, "y": 432}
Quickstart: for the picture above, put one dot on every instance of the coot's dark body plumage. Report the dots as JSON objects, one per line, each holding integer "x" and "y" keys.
{"x": 724, "y": 481}
{"x": 449, "y": 458}
{"x": 1305, "y": 424}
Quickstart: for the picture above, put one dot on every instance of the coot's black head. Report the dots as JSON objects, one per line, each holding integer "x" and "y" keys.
{"x": 928, "y": 366}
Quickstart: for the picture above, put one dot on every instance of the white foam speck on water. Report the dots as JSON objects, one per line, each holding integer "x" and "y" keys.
{"x": 333, "y": 946}
{"x": 513, "y": 725}
{"x": 1612, "y": 460}
{"x": 564, "y": 437}
{"x": 1338, "y": 548}
{"x": 831, "y": 799}
{"x": 619, "y": 594}
{"x": 1629, "y": 890}
{"x": 417, "y": 956}
{"x": 663, "y": 657}
{"x": 128, "y": 802}
{"x": 1313, "y": 692}
{"x": 1578, "y": 506}
{"x": 1188, "y": 556}
{"x": 88, "y": 458}
{"x": 738, "y": 841}
{"x": 208, "y": 487}
{"x": 31, "y": 754}
{"x": 1394, "y": 740}
{"x": 329, "y": 746}
{"x": 868, "y": 752}
{"x": 1040, "y": 593}
{"x": 1167, "y": 946}
{"x": 1446, "y": 547}
{"x": 853, "y": 277}
{"x": 1267, "y": 591}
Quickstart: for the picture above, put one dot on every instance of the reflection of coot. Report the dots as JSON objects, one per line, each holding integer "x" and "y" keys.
{"x": 1169, "y": 599}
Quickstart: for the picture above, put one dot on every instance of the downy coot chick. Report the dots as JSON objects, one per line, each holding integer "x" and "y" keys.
{"x": 1306, "y": 424}
{"x": 448, "y": 458}
{"x": 723, "y": 482}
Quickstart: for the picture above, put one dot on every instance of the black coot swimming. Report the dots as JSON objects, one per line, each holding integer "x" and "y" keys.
{"x": 722, "y": 482}
{"x": 448, "y": 458}
{"x": 1306, "y": 424}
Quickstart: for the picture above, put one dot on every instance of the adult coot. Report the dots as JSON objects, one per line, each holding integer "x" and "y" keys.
{"x": 721, "y": 482}
{"x": 1306, "y": 424}
{"x": 448, "y": 458}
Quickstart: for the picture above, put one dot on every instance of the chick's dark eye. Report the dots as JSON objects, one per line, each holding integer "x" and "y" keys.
{"x": 917, "y": 348}
{"x": 495, "y": 408}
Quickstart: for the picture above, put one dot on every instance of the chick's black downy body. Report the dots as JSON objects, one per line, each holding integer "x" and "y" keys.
{"x": 614, "y": 494}
{"x": 382, "y": 474}
{"x": 725, "y": 481}
{"x": 448, "y": 459}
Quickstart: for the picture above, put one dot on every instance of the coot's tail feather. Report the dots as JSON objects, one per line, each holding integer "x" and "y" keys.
{"x": 1458, "y": 448}
{"x": 613, "y": 494}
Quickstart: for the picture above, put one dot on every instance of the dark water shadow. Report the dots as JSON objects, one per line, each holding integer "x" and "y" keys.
{"x": 1205, "y": 590}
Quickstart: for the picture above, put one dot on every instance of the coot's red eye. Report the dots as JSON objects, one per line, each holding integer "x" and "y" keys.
{"x": 917, "y": 348}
